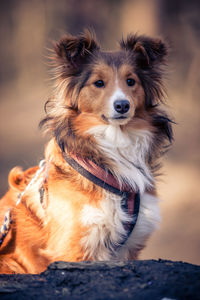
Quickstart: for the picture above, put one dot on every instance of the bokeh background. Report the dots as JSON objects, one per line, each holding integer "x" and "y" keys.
{"x": 26, "y": 31}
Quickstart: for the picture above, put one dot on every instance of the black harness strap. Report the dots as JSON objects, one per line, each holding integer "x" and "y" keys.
{"x": 76, "y": 166}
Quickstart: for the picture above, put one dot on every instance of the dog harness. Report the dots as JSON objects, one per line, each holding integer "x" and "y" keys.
{"x": 130, "y": 200}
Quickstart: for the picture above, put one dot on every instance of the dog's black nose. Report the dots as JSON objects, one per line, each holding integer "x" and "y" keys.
{"x": 122, "y": 106}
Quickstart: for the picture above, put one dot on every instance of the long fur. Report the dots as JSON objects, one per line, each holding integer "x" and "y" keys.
{"x": 78, "y": 220}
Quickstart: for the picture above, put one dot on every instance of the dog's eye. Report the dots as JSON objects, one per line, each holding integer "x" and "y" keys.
{"x": 130, "y": 82}
{"x": 99, "y": 83}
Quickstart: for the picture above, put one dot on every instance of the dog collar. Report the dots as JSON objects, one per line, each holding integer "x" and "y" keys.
{"x": 130, "y": 202}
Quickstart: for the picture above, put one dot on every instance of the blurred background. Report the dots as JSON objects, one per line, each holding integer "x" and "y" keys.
{"x": 26, "y": 31}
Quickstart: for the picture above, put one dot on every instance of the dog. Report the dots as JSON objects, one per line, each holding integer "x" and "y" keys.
{"x": 93, "y": 197}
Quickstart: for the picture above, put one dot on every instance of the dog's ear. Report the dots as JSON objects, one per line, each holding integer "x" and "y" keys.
{"x": 72, "y": 52}
{"x": 147, "y": 51}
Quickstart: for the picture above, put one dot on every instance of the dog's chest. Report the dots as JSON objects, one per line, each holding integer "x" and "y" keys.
{"x": 105, "y": 224}
{"x": 105, "y": 227}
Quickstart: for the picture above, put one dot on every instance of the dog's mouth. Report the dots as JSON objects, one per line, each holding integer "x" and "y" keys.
{"x": 119, "y": 119}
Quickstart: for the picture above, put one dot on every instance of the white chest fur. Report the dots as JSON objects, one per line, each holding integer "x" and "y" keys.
{"x": 128, "y": 152}
{"x": 106, "y": 230}
{"x": 105, "y": 224}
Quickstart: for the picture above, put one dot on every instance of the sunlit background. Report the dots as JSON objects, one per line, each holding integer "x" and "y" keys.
{"x": 26, "y": 31}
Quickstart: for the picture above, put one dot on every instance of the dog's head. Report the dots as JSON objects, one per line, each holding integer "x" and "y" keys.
{"x": 99, "y": 87}
{"x": 110, "y": 85}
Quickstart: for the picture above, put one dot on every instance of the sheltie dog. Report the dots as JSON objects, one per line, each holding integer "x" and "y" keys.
{"x": 94, "y": 196}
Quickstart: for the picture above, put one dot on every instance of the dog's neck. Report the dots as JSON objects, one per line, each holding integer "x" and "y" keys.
{"x": 127, "y": 151}
{"x": 124, "y": 153}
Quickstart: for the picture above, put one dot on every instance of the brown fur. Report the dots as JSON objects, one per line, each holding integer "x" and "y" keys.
{"x": 37, "y": 236}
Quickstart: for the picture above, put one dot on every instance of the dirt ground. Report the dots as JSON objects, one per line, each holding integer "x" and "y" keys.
{"x": 139, "y": 280}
